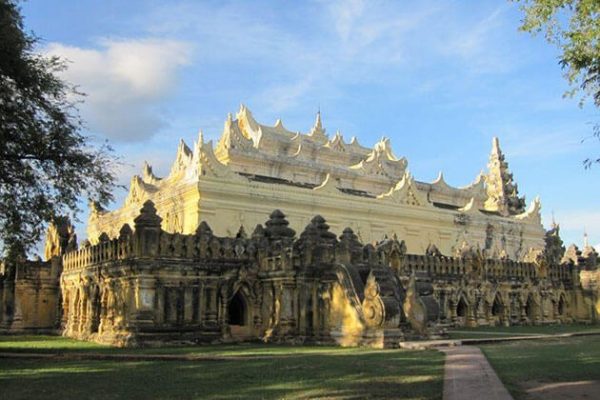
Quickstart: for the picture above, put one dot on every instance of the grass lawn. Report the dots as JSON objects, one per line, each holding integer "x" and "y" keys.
{"x": 502, "y": 331}
{"x": 265, "y": 371}
{"x": 555, "y": 360}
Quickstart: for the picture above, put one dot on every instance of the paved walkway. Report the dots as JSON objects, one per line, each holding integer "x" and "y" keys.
{"x": 468, "y": 375}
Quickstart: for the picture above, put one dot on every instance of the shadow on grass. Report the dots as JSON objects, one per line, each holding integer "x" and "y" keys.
{"x": 383, "y": 374}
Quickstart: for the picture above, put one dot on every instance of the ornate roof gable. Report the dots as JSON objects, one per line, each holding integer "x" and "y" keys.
{"x": 381, "y": 161}
{"x": 207, "y": 164}
{"x": 475, "y": 189}
{"x": 406, "y": 192}
{"x": 183, "y": 159}
{"x": 148, "y": 175}
{"x": 139, "y": 190}
{"x": 337, "y": 143}
{"x": 232, "y": 138}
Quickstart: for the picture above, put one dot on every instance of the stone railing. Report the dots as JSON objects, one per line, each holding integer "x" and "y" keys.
{"x": 105, "y": 251}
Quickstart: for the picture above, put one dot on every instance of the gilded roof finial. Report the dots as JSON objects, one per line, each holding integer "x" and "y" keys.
{"x": 317, "y": 132}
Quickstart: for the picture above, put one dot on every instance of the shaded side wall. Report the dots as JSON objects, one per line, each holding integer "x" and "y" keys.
{"x": 30, "y": 296}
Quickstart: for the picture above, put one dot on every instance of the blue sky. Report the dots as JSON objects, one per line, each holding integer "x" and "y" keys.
{"x": 440, "y": 78}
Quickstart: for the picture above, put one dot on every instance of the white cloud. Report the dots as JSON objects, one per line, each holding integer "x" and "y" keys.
{"x": 347, "y": 42}
{"x": 124, "y": 80}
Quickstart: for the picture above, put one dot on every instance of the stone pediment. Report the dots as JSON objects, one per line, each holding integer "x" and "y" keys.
{"x": 406, "y": 192}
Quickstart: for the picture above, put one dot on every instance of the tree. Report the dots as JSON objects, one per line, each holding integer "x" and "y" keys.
{"x": 573, "y": 26}
{"x": 46, "y": 163}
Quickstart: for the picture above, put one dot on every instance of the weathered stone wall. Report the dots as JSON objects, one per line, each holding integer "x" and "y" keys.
{"x": 30, "y": 296}
{"x": 148, "y": 287}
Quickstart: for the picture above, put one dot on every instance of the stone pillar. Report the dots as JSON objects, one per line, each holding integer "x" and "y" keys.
{"x": 211, "y": 305}
{"x": 161, "y": 294}
{"x": 147, "y": 231}
{"x": 287, "y": 321}
{"x": 201, "y": 303}
{"x": 188, "y": 304}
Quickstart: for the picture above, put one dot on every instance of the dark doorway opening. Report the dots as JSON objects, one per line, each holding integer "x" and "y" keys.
{"x": 236, "y": 310}
{"x": 530, "y": 308}
{"x": 497, "y": 307}
{"x": 96, "y": 309}
{"x": 561, "y": 306}
{"x": 461, "y": 308}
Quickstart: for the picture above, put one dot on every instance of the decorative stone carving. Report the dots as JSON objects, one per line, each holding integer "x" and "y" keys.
{"x": 503, "y": 194}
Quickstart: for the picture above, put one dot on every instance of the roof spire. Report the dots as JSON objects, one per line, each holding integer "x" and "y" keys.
{"x": 318, "y": 123}
{"x": 586, "y": 242}
{"x": 317, "y": 132}
{"x": 503, "y": 193}
{"x": 496, "y": 147}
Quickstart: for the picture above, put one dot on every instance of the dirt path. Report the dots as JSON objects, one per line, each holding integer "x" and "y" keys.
{"x": 468, "y": 375}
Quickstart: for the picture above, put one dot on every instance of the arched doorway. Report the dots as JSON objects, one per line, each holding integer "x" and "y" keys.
{"x": 562, "y": 307}
{"x": 96, "y": 308}
{"x": 530, "y": 309}
{"x": 462, "y": 309}
{"x": 236, "y": 310}
{"x": 497, "y": 307}
{"x": 237, "y": 316}
{"x": 497, "y": 310}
